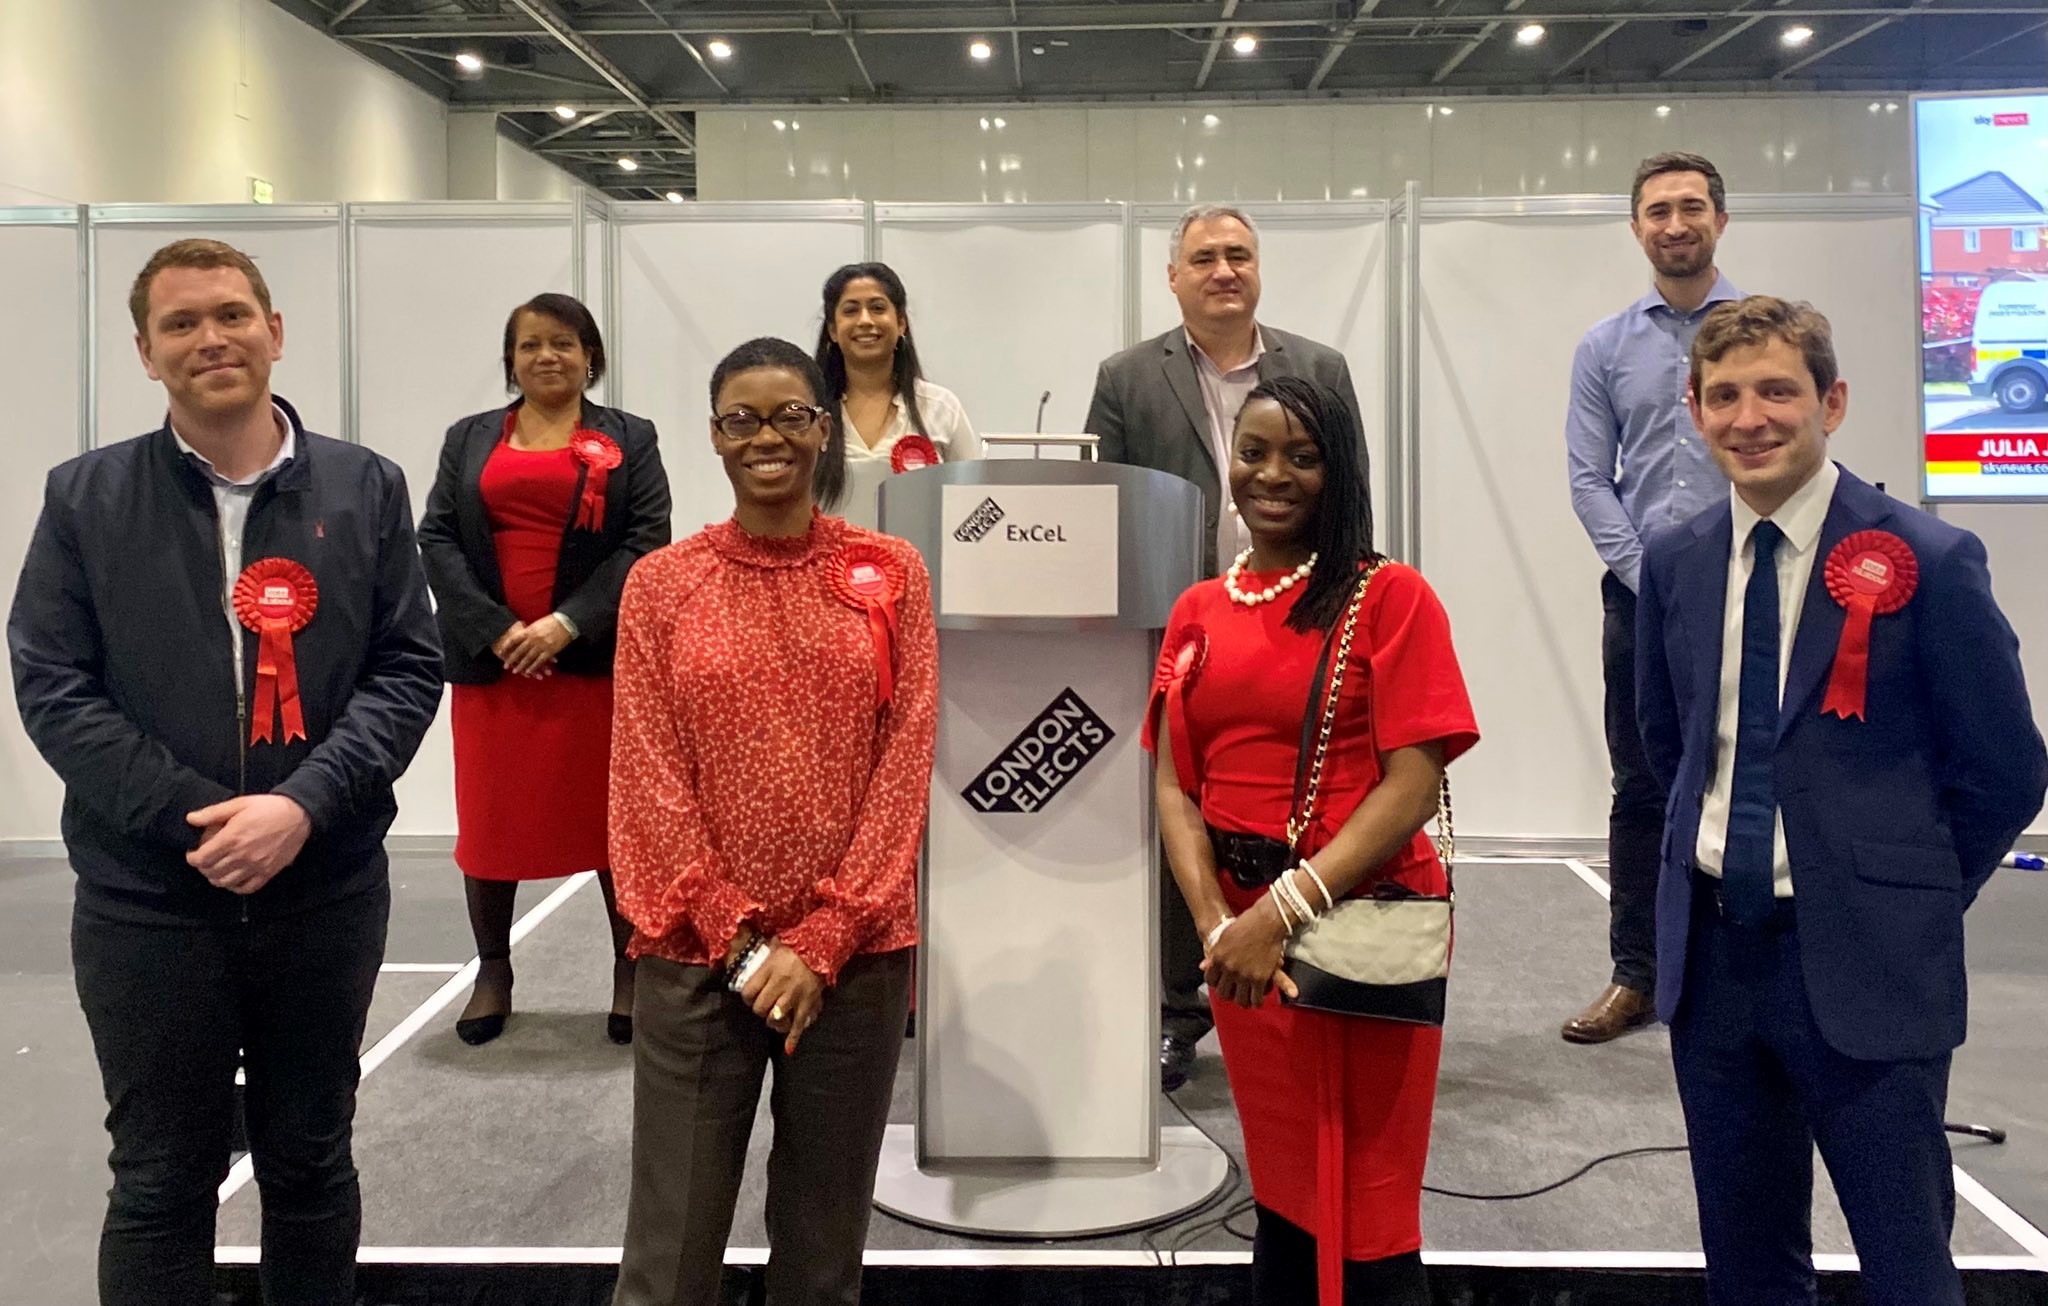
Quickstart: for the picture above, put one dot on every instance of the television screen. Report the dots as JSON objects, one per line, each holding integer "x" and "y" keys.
{"x": 1981, "y": 168}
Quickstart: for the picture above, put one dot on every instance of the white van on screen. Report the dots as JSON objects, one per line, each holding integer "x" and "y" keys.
{"x": 2010, "y": 345}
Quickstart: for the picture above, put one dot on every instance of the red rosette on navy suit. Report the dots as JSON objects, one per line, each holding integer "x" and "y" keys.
{"x": 276, "y": 597}
{"x": 869, "y": 578}
{"x": 1179, "y": 668}
{"x": 1872, "y": 574}
{"x": 600, "y": 453}
{"x": 913, "y": 452}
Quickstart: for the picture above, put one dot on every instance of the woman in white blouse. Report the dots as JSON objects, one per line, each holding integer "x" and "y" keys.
{"x": 890, "y": 418}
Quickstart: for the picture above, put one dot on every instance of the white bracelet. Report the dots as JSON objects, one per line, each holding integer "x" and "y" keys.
{"x": 1217, "y": 932}
{"x": 1279, "y": 900}
{"x": 749, "y": 962}
{"x": 1324, "y": 889}
{"x": 1295, "y": 898}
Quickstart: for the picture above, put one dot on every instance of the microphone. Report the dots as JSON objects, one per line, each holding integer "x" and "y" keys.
{"x": 1038, "y": 427}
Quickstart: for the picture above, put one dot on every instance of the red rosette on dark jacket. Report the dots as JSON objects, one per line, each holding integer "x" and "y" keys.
{"x": 600, "y": 453}
{"x": 1872, "y": 574}
{"x": 1179, "y": 667}
{"x": 276, "y": 597}
{"x": 869, "y": 578}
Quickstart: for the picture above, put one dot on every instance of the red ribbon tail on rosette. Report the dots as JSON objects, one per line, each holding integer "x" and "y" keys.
{"x": 1177, "y": 670}
{"x": 1184, "y": 765}
{"x": 590, "y": 510}
{"x": 870, "y": 578}
{"x": 276, "y": 597}
{"x": 277, "y": 685}
{"x": 1849, "y": 681}
{"x": 599, "y": 453}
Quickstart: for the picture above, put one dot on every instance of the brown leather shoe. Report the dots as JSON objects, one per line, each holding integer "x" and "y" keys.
{"x": 1615, "y": 1012}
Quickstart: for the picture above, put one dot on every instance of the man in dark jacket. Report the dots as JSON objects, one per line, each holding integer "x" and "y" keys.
{"x": 222, "y": 644}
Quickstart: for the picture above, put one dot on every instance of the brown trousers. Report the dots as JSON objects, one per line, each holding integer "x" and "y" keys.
{"x": 698, "y": 1058}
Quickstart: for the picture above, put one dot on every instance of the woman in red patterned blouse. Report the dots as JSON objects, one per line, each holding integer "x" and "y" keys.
{"x": 777, "y": 697}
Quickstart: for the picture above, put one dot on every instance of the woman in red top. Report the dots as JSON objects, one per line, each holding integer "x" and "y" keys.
{"x": 771, "y": 763}
{"x": 537, "y": 512}
{"x": 1335, "y": 1108}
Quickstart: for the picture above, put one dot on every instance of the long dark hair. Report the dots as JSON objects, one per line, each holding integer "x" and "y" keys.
{"x": 1340, "y": 532}
{"x": 830, "y": 483}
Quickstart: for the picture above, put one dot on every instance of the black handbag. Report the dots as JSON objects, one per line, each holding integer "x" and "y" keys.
{"x": 1386, "y": 954}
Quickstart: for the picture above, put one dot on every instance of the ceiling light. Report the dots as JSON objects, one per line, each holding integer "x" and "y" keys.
{"x": 674, "y": 197}
{"x": 1210, "y": 120}
{"x": 628, "y": 164}
{"x": 1038, "y": 49}
{"x": 469, "y": 62}
{"x": 1529, "y": 34}
{"x": 1891, "y": 106}
{"x": 980, "y": 50}
{"x": 781, "y": 126}
{"x": 1875, "y": 107}
{"x": 795, "y": 126}
{"x": 1000, "y": 124}
{"x": 1445, "y": 110}
{"x": 1663, "y": 111}
{"x": 718, "y": 49}
{"x": 1245, "y": 43}
{"x": 1795, "y": 36}
{"x": 565, "y": 113}
{"x": 984, "y": 124}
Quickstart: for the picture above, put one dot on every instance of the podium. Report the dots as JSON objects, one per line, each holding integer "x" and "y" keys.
{"x": 1038, "y": 979}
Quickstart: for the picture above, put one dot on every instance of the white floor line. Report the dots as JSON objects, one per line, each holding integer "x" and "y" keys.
{"x": 1588, "y": 874}
{"x": 984, "y": 1257}
{"x": 1506, "y": 859}
{"x": 244, "y": 1170}
{"x": 421, "y": 967}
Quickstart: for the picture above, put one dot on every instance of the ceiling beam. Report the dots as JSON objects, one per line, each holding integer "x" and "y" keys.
{"x": 554, "y": 24}
{"x": 447, "y": 56}
{"x": 690, "y": 48}
{"x": 851, "y": 47}
{"x": 1215, "y": 43}
{"x": 346, "y": 11}
{"x": 1599, "y": 39}
{"x": 1700, "y": 52}
{"x": 1016, "y": 50}
{"x": 587, "y": 120}
{"x": 1340, "y": 43}
{"x": 1830, "y": 48}
{"x": 1989, "y": 46}
{"x": 1462, "y": 53}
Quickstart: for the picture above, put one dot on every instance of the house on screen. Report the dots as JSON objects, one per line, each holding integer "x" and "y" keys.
{"x": 1985, "y": 229}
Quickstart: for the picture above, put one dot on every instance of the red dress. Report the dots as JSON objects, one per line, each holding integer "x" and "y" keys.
{"x": 532, "y": 757}
{"x": 1336, "y": 1109}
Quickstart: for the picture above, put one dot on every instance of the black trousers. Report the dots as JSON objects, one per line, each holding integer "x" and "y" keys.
{"x": 1635, "y": 820}
{"x": 172, "y": 1011}
{"x": 1183, "y": 1007}
{"x": 1284, "y": 1270}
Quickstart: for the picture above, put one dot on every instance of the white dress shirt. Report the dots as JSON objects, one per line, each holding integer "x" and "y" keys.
{"x": 1223, "y": 393}
{"x": 1800, "y": 518}
{"x": 867, "y": 467}
{"x": 231, "y": 500}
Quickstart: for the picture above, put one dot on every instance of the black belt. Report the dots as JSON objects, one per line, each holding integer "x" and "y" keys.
{"x": 1251, "y": 860}
{"x": 1708, "y": 895}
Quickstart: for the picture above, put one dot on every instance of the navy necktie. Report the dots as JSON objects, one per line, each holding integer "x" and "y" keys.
{"x": 1748, "y": 863}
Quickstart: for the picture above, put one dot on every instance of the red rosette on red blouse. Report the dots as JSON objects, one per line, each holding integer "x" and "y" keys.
{"x": 1872, "y": 574}
{"x": 276, "y": 597}
{"x": 914, "y": 452}
{"x": 1179, "y": 667}
{"x": 869, "y": 578}
{"x": 600, "y": 453}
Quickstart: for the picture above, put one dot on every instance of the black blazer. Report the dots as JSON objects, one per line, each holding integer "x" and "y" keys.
{"x": 462, "y": 561}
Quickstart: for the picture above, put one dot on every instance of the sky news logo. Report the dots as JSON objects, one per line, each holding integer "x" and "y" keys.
{"x": 2001, "y": 120}
{"x": 1051, "y": 751}
{"x": 979, "y": 522}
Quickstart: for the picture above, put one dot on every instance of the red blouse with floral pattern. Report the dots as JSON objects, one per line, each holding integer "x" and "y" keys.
{"x": 754, "y": 778}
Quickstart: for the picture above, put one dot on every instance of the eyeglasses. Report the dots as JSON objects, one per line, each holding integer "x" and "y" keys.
{"x": 790, "y": 419}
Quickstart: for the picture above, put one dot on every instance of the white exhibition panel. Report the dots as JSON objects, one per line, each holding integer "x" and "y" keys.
{"x": 1323, "y": 273}
{"x": 433, "y": 284}
{"x": 39, "y": 267}
{"x": 1008, "y": 301}
{"x": 597, "y": 291}
{"x": 696, "y": 280}
{"x": 1505, "y": 298}
{"x": 298, "y": 251}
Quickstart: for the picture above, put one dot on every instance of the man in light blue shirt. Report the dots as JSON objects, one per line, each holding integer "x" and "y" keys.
{"x": 1637, "y": 466}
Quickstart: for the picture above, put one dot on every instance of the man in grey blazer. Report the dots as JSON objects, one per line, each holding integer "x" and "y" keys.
{"x": 1169, "y": 404}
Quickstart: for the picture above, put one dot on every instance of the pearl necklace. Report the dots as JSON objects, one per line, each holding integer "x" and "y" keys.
{"x": 1255, "y": 597}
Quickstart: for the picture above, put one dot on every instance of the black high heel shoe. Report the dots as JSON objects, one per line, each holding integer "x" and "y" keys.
{"x": 479, "y": 1030}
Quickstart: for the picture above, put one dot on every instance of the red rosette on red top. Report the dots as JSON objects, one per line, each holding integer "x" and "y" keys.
{"x": 914, "y": 452}
{"x": 869, "y": 578}
{"x": 1179, "y": 667}
{"x": 600, "y": 453}
{"x": 276, "y": 597}
{"x": 1872, "y": 574}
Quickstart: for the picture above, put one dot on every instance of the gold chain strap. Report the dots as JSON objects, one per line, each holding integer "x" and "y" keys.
{"x": 1446, "y": 831}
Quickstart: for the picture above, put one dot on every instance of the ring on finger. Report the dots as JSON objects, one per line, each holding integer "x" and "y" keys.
{"x": 775, "y": 1012}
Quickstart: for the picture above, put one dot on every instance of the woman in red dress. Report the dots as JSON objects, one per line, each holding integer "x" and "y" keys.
{"x": 537, "y": 512}
{"x": 1336, "y": 1108}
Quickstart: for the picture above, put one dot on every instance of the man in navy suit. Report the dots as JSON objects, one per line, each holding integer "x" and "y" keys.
{"x": 1830, "y": 820}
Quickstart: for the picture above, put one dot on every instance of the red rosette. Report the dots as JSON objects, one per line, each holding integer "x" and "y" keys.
{"x": 914, "y": 452}
{"x": 868, "y": 578}
{"x": 276, "y": 597}
{"x": 1871, "y": 574}
{"x": 600, "y": 453}
{"x": 1179, "y": 668}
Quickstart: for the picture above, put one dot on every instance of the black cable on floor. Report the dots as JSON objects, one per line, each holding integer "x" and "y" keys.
{"x": 1233, "y": 1177}
{"x": 1553, "y": 1187}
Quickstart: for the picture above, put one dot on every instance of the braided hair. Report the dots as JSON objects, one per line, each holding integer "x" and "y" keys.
{"x": 1340, "y": 531}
